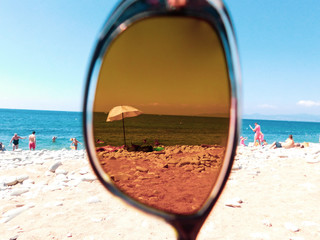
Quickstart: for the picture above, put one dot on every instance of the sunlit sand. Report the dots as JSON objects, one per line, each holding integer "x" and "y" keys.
{"x": 271, "y": 194}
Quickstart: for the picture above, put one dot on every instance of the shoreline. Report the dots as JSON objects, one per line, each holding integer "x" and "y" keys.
{"x": 249, "y": 144}
{"x": 278, "y": 189}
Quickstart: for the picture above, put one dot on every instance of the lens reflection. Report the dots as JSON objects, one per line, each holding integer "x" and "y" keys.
{"x": 173, "y": 71}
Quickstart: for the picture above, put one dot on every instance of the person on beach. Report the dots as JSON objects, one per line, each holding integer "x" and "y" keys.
{"x": 2, "y": 147}
{"x": 261, "y": 137}
{"x": 242, "y": 139}
{"x": 75, "y": 143}
{"x": 257, "y": 134}
{"x": 15, "y": 141}
{"x": 156, "y": 142}
{"x": 32, "y": 141}
{"x": 289, "y": 143}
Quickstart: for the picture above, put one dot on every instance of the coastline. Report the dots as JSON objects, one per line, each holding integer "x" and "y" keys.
{"x": 278, "y": 189}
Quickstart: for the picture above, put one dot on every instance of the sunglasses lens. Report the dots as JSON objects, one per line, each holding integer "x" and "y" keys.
{"x": 166, "y": 79}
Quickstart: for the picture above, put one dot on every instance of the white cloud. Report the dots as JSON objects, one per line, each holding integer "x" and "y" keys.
{"x": 308, "y": 103}
{"x": 267, "y": 106}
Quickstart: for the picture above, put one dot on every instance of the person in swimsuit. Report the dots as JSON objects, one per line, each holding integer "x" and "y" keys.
{"x": 264, "y": 142}
{"x": 261, "y": 137}
{"x": 32, "y": 141}
{"x": 289, "y": 143}
{"x": 15, "y": 140}
{"x": 75, "y": 143}
{"x": 242, "y": 139}
{"x": 257, "y": 134}
{"x": 2, "y": 148}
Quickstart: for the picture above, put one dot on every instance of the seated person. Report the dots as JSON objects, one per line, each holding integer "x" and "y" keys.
{"x": 2, "y": 148}
{"x": 289, "y": 143}
{"x": 242, "y": 139}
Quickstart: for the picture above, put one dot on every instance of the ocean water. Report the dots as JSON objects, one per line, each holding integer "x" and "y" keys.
{"x": 280, "y": 130}
{"x": 66, "y": 125}
{"x": 167, "y": 129}
{"x": 46, "y": 124}
{"x": 178, "y": 130}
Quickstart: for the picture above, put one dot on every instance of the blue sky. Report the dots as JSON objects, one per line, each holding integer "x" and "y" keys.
{"x": 45, "y": 49}
{"x": 280, "y": 55}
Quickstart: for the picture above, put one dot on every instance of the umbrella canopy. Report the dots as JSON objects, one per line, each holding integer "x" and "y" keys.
{"x": 121, "y": 112}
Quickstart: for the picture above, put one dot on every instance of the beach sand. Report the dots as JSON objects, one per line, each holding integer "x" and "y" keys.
{"x": 271, "y": 194}
{"x": 177, "y": 180}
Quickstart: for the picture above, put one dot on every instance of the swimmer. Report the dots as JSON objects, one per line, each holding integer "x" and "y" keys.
{"x": 54, "y": 138}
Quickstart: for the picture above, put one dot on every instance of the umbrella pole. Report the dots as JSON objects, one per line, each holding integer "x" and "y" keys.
{"x": 124, "y": 132}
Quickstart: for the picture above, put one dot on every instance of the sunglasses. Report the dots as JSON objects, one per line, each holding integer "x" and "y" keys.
{"x": 161, "y": 107}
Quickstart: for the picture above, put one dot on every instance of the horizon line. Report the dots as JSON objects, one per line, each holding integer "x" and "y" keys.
{"x": 47, "y": 110}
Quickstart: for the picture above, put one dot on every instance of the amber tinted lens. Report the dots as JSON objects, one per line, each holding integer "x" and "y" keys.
{"x": 174, "y": 71}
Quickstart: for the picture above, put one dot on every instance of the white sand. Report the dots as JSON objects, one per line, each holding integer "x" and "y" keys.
{"x": 279, "y": 189}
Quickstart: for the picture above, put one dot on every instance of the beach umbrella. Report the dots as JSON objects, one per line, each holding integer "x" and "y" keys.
{"x": 120, "y": 113}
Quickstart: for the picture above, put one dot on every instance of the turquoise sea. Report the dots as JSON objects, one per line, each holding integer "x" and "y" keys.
{"x": 66, "y": 125}
{"x": 46, "y": 124}
{"x": 280, "y": 130}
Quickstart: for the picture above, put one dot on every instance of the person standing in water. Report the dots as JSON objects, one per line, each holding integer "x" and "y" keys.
{"x": 32, "y": 141}
{"x": 15, "y": 141}
{"x": 75, "y": 143}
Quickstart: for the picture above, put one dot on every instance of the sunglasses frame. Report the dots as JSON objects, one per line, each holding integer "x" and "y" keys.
{"x": 126, "y": 14}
